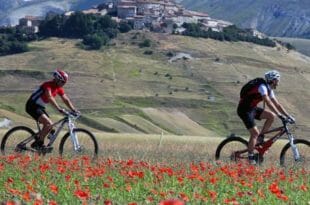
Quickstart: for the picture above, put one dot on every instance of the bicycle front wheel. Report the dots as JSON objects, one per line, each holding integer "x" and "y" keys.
{"x": 16, "y": 139}
{"x": 287, "y": 157}
{"x": 232, "y": 149}
{"x": 87, "y": 144}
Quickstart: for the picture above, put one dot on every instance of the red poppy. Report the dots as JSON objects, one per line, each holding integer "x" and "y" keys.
{"x": 10, "y": 180}
{"x": 172, "y": 202}
{"x": 82, "y": 194}
{"x": 52, "y": 203}
{"x": 44, "y": 167}
{"x": 212, "y": 194}
{"x": 128, "y": 188}
{"x": 303, "y": 187}
{"x": 184, "y": 197}
{"x": 38, "y": 202}
{"x": 26, "y": 196}
{"x": 54, "y": 188}
{"x": 10, "y": 203}
{"x": 107, "y": 202}
{"x": 274, "y": 188}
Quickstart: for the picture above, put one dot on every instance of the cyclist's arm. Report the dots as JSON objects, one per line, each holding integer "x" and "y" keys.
{"x": 269, "y": 102}
{"x": 51, "y": 99}
{"x": 68, "y": 102}
{"x": 279, "y": 107}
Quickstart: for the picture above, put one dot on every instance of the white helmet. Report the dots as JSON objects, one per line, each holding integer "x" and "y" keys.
{"x": 272, "y": 75}
{"x": 60, "y": 75}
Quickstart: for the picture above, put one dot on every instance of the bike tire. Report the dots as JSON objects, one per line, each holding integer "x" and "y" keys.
{"x": 227, "y": 147}
{"x": 287, "y": 159}
{"x": 8, "y": 144}
{"x": 87, "y": 141}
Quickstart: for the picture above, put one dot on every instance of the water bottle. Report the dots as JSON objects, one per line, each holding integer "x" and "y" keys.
{"x": 51, "y": 134}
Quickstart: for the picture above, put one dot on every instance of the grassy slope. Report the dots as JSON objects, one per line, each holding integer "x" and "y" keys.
{"x": 301, "y": 45}
{"x": 122, "y": 80}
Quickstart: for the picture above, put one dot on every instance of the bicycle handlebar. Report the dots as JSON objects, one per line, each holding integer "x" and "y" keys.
{"x": 287, "y": 120}
{"x": 71, "y": 114}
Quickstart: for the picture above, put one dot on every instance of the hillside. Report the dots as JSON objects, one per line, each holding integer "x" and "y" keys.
{"x": 301, "y": 45}
{"x": 121, "y": 89}
{"x": 283, "y": 18}
{"x": 11, "y": 11}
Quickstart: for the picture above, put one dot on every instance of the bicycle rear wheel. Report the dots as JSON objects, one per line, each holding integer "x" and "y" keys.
{"x": 87, "y": 141}
{"x": 287, "y": 156}
{"x": 11, "y": 141}
{"x": 232, "y": 149}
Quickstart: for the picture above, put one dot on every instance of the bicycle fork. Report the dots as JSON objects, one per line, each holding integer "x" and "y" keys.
{"x": 73, "y": 136}
{"x": 294, "y": 147}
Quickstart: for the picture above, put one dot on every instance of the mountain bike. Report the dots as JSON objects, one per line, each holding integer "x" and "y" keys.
{"x": 77, "y": 141}
{"x": 235, "y": 148}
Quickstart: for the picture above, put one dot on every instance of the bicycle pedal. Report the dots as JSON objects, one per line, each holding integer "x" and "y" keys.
{"x": 48, "y": 149}
{"x": 20, "y": 148}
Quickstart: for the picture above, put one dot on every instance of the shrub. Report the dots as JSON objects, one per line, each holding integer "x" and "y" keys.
{"x": 94, "y": 41}
{"x": 145, "y": 43}
{"x": 124, "y": 27}
{"x": 148, "y": 52}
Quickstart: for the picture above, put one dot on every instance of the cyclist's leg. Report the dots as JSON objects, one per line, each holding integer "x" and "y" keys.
{"x": 47, "y": 126}
{"x": 254, "y": 132}
{"x": 248, "y": 117}
{"x": 269, "y": 116}
{"x": 38, "y": 113}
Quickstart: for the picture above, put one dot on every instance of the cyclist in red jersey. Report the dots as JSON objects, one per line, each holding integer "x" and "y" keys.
{"x": 261, "y": 90}
{"x": 45, "y": 94}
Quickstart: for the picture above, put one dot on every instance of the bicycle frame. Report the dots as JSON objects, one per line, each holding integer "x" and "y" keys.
{"x": 262, "y": 148}
{"x": 69, "y": 120}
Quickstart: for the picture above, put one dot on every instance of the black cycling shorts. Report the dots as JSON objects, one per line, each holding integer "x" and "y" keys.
{"x": 248, "y": 116}
{"x": 35, "y": 110}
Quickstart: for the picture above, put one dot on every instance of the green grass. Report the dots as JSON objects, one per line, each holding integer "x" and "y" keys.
{"x": 301, "y": 45}
{"x": 120, "y": 80}
{"x": 139, "y": 168}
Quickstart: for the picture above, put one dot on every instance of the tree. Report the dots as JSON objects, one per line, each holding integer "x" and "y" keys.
{"x": 124, "y": 27}
{"x": 95, "y": 41}
{"x": 18, "y": 47}
{"x": 78, "y": 25}
{"x": 52, "y": 26}
{"x": 105, "y": 22}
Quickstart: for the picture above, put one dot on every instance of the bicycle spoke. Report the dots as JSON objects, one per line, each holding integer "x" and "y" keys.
{"x": 288, "y": 159}
{"x": 15, "y": 140}
{"x": 87, "y": 145}
{"x": 232, "y": 149}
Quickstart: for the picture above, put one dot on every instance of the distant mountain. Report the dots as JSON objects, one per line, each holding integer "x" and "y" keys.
{"x": 12, "y": 10}
{"x": 283, "y": 18}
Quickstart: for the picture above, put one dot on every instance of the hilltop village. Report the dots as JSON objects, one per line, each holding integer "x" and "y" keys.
{"x": 156, "y": 15}
{"x": 96, "y": 26}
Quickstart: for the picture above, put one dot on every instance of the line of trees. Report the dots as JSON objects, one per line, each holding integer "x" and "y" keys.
{"x": 13, "y": 40}
{"x": 95, "y": 30}
{"x": 230, "y": 33}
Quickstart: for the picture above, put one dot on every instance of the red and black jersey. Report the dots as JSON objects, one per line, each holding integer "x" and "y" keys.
{"x": 252, "y": 93}
{"x": 39, "y": 96}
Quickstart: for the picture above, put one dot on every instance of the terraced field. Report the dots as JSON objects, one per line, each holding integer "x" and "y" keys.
{"x": 120, "y": 89}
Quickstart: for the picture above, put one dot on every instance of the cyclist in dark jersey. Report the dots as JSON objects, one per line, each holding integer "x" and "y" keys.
{"x": 248, "y": 110}
{"x": 45, "y": 94}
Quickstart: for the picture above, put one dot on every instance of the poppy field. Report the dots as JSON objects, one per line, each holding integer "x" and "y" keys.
{"x": 32, "y": 179}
